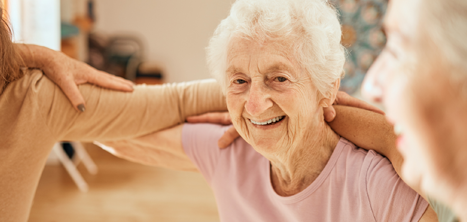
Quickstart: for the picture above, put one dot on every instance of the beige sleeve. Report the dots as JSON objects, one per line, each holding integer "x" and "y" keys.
{"x": 114, "y": 115}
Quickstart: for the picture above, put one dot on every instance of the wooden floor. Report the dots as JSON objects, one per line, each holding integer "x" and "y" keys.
{"x": 123, "y": 191}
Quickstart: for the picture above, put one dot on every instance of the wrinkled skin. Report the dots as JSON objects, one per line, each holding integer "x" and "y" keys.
{"x": 265, "y": 82}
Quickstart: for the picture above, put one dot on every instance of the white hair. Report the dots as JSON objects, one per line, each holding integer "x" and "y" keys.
{"x": 445, "y": 22}
{"x": 311, "y": 25}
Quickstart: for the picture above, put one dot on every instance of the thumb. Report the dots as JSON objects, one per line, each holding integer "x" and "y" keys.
{"x": 329, "y": 113}
{"x": 74, "y": 95}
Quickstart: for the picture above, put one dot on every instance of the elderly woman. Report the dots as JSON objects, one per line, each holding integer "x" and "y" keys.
{"x": 421, "y": 78}
{"x": 279, "y": 63}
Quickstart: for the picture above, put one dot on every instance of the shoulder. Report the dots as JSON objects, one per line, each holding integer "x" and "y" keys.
{"x": 31, "y": 79}
{"x": 201, "y": 139}
{"x": 33, "y": 87}
{"x": 200, "y": 145}
{"x": 204, "y": 136}
{"x": 357, "y": 154}
{"x": 25, "y": 93}
{"x": 366, "y": 165}
{"x": 203, "y": 131}
{"x": 208, "y": 134}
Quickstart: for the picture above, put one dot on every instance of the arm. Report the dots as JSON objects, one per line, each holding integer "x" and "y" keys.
{"x": 67, "y": 73}
{"x": 193, "y": 148}
{"x": 363, "y": 126}
{"x": 370, "y": 130}
{"x": 163, "y": 149}
{"x": 114, "y": 115}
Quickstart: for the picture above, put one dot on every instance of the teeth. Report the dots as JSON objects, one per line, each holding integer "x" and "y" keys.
{"x": 273, "y": 120}
{"x": 398, "y": 129}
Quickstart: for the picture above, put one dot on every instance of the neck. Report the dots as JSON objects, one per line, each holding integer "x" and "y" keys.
{"x": 295, "y": 170}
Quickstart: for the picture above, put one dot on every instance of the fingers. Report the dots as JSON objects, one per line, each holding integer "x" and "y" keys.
{"x": 229, "y": 136}
{"x": 71, "y": 91}
{"x": 347, "y": 100}
{"x": 329, "y": 114}
{"x": 109, "y": 81}
{"x": 218, "y": 118}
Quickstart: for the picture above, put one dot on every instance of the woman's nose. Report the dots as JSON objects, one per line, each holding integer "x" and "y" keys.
{"x": 258, "y": 100}
{"x": 372, "y": 88}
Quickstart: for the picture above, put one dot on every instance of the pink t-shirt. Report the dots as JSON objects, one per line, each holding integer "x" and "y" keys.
{"x": 355, "y": 185}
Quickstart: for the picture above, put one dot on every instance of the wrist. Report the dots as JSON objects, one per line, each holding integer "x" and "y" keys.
{"x": 35, "y": 56}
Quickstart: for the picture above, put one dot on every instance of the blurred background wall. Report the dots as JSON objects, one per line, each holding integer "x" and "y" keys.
{"x": 174, "y": 32}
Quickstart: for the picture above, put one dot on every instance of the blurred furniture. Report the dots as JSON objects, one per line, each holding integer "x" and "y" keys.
{"x": 123, "y": 55}
{"x": 77, "y": 20}
{"x": 71, "y": 158}
{"x": 149, "y": 73}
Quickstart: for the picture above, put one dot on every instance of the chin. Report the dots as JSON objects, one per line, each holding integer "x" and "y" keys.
{"x": 264, "y": 144}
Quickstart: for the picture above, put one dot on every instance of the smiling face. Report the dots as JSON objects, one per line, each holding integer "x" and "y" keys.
{"x": 272, "y": 101}
{"x": 390, "y": 81}
{"x": 412, "y": 80}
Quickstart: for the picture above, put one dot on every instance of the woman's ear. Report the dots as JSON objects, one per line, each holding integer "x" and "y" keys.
{"x": 327, "y": 102}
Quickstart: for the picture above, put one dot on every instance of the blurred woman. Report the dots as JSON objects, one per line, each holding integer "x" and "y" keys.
{"x": 421, "y": 78}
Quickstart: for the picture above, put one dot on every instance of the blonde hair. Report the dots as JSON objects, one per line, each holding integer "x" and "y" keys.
{"x": 10, "y": 60}
{"x": 312, "y": 26}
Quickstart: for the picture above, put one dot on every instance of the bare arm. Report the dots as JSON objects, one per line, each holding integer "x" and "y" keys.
{"x": 370, "y": 130}
{"x": 363, "y": 126}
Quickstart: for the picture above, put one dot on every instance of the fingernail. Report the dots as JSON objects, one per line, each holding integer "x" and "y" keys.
{"x": 81, "y": 108}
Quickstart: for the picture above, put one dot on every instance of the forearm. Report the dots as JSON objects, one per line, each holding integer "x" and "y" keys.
{"x": 371, "y": 131}
{"x": 114, "y": 115}
{"x": 366, "y": 129}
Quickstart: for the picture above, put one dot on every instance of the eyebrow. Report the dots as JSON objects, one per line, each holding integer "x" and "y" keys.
{"x": 232, "y": 70}
{"x": 279, "y": 66}
{"x": 274, "y": 67}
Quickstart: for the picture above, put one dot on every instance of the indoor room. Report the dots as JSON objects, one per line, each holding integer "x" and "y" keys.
{"x": 233, "y": 110}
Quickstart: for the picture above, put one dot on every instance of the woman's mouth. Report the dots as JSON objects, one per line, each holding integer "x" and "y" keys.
{"x": 272, "y": 121}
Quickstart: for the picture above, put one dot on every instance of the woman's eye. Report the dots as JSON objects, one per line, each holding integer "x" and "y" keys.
{"x": 240, "y": 81}
{"x": 281, "y": 79}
